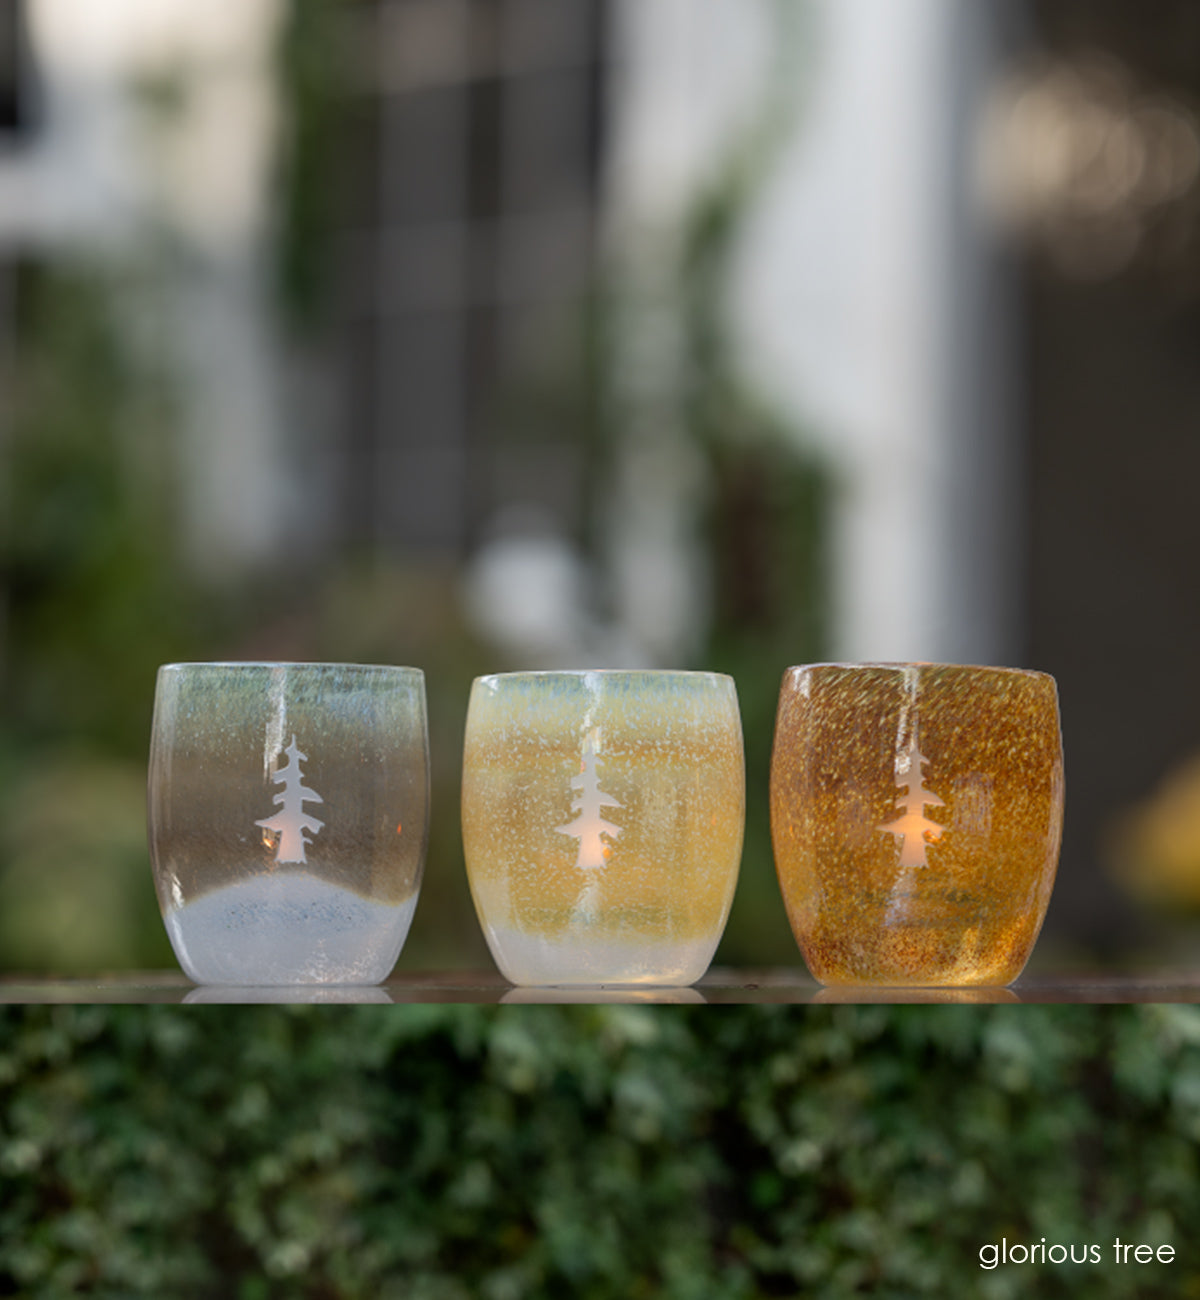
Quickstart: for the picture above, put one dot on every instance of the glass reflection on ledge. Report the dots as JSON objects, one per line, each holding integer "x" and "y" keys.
{"x": 872, "y": 995}
{"x": 295, "y": 994}
{"x": 598, "y": 995}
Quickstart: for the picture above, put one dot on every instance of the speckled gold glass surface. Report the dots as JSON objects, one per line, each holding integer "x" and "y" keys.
{"x": 916, "y": 814}
{"x": 602, "y": 822}
{"x": 288, "y": 814}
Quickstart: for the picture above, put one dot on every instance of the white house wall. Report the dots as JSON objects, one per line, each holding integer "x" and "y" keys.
{"x": 183, "y": 203}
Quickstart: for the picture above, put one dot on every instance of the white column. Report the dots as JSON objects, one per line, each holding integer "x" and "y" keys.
{"x": 864, "y": 294}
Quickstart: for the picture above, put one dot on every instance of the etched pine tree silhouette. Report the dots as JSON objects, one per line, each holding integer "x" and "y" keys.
{"x": 589, "y": 825}
{"x": 913, "y": 829}
{"x": 291, "y": 822}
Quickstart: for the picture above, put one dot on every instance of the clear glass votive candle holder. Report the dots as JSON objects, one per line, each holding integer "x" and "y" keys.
{"x": 916, "y": 816}
{"x": 288, "y": 815}
{"x": 602, "y": 819}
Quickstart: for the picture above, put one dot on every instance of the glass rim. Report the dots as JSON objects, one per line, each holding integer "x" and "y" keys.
{"x": 532, "y": 674}
{"x": 921, "y": 663}
{"x": 288, "y": 663}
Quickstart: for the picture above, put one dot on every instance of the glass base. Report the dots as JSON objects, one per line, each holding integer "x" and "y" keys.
{"x": 290, "y": 928}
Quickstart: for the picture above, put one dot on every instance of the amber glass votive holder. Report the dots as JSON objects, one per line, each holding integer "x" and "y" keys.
{"x": 602, "y": 822}
{"x": 916, "y": 817}
{"x": 288, "y": 815}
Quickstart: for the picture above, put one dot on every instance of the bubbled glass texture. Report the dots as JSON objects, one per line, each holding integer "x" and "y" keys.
{"x": 288, "y": 812}
{"x": 916, "y": 815}
{"x": 602, "y": 823}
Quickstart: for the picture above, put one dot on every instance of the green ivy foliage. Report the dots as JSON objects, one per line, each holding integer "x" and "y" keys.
{"x": 92, "y": 600}
{"x": 440, "y": 1152}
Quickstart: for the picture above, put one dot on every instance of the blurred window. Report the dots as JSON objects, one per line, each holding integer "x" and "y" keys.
{"x": 482, "y": 122}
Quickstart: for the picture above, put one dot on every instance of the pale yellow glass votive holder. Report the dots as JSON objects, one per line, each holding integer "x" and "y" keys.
{"x": 288, "y": 814}
{"x": 916, "y": 815}
{"x": 602, "y": 822}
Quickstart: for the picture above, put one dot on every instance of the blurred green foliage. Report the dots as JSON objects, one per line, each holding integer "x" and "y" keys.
{"x": 312, "y": 73}
{"x": 92, "y": 599}
{"x": 449, "y": 1151}
{"x": 88, "y": 555}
